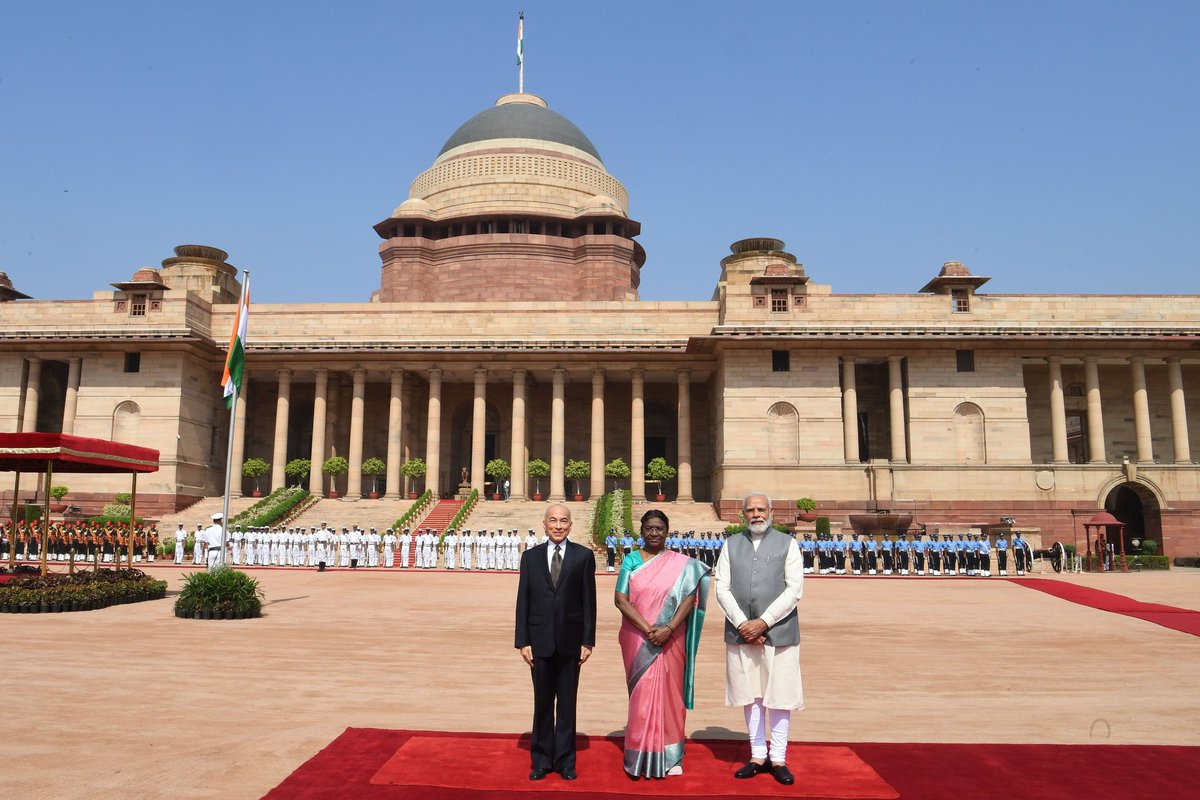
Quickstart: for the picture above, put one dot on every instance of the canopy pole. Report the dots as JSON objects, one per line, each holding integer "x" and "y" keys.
{"x": 45, "y": 536}
{"x": 132, "y": 509}
{"x": 12, "y": 536}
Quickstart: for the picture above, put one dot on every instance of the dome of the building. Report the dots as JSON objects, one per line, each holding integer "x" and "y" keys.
{"x": 520, "y": 116}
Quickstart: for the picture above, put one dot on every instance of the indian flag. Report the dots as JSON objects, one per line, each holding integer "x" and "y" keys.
{"x": 235, "y": 361}
{"x": 521, "y": 39}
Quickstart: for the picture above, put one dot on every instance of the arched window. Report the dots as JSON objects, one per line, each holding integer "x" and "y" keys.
{"x": 783, "y": 434}
{"x": 127, "y": 422}
{"x": 970, "y": 441}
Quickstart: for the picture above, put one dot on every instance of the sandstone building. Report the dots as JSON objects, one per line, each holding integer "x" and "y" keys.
{"x": 507, "y": 324}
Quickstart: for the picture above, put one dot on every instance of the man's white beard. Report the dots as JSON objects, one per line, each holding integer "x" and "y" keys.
{"x": 759, "y": 527}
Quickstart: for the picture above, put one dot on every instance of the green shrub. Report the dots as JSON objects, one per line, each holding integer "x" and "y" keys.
{"x": 82, "y": 591}
{"x": 822, "y": 526}
{"x": 806, "y": 504}
{"x": 1149, "y": 546}
{"x": 373, "y": 468}
{"x": 58, "y": 492}
{"x": 271, "y": 508}
{"x": 124, "y": 498}
{"x": 627, "y": 518}
{"x": 408, "y": 516}
{"x": 462, "y": 514}
{"x": 537, "y": 469}
{"x": 602, "y": 521}
{"x": 617, "y": 469}
{"x": 736, "y": 527}
{"x": 116, "y": 511}
{"x": 225, "y": 590}
{"x": 1147, "y": 562}
{"x": 255, "y": 468}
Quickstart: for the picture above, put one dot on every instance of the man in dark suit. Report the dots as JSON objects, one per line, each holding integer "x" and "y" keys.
{"x": 556, "y": 631}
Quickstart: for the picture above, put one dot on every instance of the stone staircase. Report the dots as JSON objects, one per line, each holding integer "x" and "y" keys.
{"x": 200, "y": 513}
{"x": 491, "y": 515}
{"x": 366, "y": 514}
{"x": 698, "y": 517}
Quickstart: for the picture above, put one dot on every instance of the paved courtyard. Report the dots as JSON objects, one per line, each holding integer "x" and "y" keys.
{"x": 132, "y": 702}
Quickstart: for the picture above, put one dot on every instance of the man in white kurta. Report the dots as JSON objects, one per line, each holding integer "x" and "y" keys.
{"x": 758, "y": 580}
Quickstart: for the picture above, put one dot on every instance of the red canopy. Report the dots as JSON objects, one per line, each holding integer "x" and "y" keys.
{"x": 33, "y": 452}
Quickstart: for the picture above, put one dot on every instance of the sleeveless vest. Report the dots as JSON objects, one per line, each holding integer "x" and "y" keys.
{"x": 756, "y": 579}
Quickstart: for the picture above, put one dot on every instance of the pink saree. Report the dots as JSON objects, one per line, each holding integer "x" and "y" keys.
{"x": 660, "y": 679}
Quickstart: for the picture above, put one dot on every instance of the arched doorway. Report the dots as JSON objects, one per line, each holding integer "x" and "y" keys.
{"x": 1137, "y": 507}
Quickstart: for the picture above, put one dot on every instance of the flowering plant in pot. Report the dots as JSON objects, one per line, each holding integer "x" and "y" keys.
{"x": 497, "y": 469}
{"x": 806, "y": 509}
{"x": 334, "y": 467}
{"x": 537, "y": 469}
{"x": 374, "y": 467}
{"x": 657, "y": 471}
{"x": 415, "y": 469}
{"x": 577, "y": 470}
{"x": 57, "y": 493}
{"x": 255, "y": 468}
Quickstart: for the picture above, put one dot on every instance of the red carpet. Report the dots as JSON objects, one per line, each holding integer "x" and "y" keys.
{"x": 374, "y": 764}
{"x": 1179, "y": 619}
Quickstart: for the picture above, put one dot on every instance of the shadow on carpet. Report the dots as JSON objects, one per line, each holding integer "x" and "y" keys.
{"x": 375, "y": 764}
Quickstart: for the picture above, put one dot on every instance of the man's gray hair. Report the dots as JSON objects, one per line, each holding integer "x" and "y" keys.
{"x": 770, "y": 507}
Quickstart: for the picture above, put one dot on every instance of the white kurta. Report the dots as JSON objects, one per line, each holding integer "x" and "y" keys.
{"x": 766, "y": 671}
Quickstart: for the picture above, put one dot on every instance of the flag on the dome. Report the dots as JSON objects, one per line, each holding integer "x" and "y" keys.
{"x": 235, "y": 359}
{"x": 521, "y": 39}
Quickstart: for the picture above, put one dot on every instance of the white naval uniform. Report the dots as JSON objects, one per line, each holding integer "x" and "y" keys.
{"x": 450, "y": 545}
{"x": 405, "y": 549}
{"x": 180, "y": 544}
{"x": 389, "y": 549}
{"x": 468, "y": 542}
{"x": 212, "y": 541}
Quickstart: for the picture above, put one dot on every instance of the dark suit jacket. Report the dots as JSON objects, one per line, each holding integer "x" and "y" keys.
{"x": 557, "y": 620}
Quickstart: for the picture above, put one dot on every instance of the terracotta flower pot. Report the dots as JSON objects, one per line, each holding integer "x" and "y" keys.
{"x": 412, "y": 495}
{"x": 495, "y": 495}
{"x": 806, "y": 516}
{"x": 660, "y": 498}
{"x": 537, "y": 497}
{"x": 373, "y": 495}
{"x": 256, "y": 493}
{"x": 578, "y": 498}
{"x": 333, "y": 495}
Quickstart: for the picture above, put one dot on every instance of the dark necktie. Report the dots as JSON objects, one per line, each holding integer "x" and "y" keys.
{"x": 556, "y": 565}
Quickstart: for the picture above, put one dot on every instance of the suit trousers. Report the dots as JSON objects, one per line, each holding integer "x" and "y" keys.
{"x": 555, "y": 686}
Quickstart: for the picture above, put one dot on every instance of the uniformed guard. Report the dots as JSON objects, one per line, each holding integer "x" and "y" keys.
{"x": 900, "y": 554}
{"x": 887, "y": 551}
{"x": 1002, "y": 554}
{"x": 917, "y": 549}
{"x": 808, "y": 550}
{"x": 983, "y": 546}
{"x": 610, "y": 547}
{"x": 1021, "y": 552}
{"x": 840, "y": 548}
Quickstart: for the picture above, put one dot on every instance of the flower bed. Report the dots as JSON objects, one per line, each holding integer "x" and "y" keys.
{"x": 83, "y": 591}
{"x": 270, "y": 508}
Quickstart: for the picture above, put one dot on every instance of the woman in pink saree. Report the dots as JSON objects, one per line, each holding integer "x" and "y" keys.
{"x": 661, "y": 595}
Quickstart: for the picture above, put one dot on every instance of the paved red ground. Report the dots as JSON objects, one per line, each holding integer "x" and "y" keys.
{"x": 132, "y": 702}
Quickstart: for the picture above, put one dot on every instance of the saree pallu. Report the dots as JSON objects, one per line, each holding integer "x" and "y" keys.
{"x": 660, "y": 679}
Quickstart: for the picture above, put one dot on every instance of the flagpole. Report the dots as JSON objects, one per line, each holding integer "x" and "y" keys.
{"x": 232, "y": 428}
{"x": 521, "y": 53}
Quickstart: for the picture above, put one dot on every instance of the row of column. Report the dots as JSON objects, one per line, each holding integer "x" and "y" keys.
{"x": 33, "y": 395}
{"x": 899, "y": 431}
{"x": 1141, "y": 412}
{"x": 433, "y": 437}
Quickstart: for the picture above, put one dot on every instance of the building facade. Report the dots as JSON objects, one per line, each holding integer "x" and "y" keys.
{"x": 507, "y": 325}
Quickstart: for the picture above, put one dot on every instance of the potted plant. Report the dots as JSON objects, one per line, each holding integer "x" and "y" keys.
{"x": 333, "y": 467}
{"x": 374, "y": 467}
{"x": 497, "y": 469}
{"x": 58, "y": 493}
{"x": 537, "y": 469}
{"x": 415, "y": 469}
{"x": 577, "y": 470}
{"x": 657, "y": 471}
{"x": 297, "y": 469}
{"x": 255, "y": 468}
{"x": 806, "y": 509}
{"x": 618, "y": 470}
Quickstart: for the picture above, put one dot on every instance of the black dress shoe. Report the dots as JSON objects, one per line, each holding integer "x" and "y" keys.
{"x": 568, "y": 773}
{"x": 537, "y": 773}
{"x": 751, "y": 769}
{"x": 783, "y": 774}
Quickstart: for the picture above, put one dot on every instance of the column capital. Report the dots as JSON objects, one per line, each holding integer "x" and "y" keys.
{"x": 1091, "y": 359}
{"x": 321, "y": 372}
{"x": 435, "y": 372}
{"x": 284, "y": 374}
{"x": 683, "y": 374}
{"x": 358, "y": 372}
{"x": 396, "y": 372}
{"x": 481, "y": 374}
{"x": 1053, "y": 359}
{"x": 560, "y": 374}
{"x": 598, "y": 375}
{"x": 1174, "y": 360}
{"x": 895, "y": 359}
{"x": 79, "y": 360}
{"x": 1137, "y": 359}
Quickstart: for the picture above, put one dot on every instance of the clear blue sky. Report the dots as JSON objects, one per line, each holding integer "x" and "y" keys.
{"x": 1051, "y": 145}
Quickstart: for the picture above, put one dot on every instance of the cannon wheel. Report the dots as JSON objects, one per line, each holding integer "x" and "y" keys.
{"x": 1058, "y": 556}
